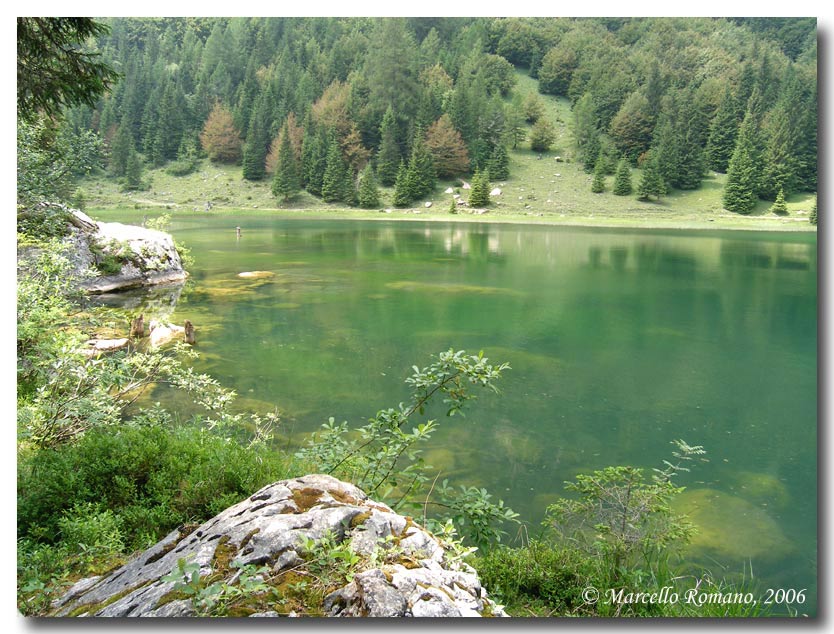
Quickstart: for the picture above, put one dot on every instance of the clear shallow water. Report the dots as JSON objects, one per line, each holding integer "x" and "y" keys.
{"x": 620, "y": 341}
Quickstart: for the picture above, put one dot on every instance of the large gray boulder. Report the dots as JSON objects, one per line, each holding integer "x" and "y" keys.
{"x": 289, "y": 531}
{"x": 122, "y": 256}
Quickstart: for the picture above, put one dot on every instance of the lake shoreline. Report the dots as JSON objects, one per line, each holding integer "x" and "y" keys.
{"x": 717, "y": 222}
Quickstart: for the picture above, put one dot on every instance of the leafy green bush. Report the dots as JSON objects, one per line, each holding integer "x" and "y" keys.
{"x": 146, "y": 479}
{"x": 539, "y": 579}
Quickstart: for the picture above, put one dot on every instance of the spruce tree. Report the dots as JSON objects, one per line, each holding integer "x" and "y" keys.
{"x": 779, "y": 206}
{"x": 402, "y": 187}
{"x": 742, "y": 174}
{"x": 388, "y": 157}
{"x": 598, "y": 184}
{"x": 133, "y": 171}
{"x": 622, "y": 180}
{"x": 368, "y": 192}
{"x": 257, "y": 140}
{"x": 722, "y": 134}
{"x": 421, "y": 168}
{"x": 313, "y": 158}
{"x": 651, "y": 182}
{"x": 120, "y": 149}
{"x": 813, "y": 217}
{"x": 479, "y": 194}
{"x": 337, "y": 184}
{"x": 499, "y": 163}
{"x": 286, "y": 181}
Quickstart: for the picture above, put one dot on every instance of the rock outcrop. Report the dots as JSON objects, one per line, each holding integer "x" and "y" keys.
{"x": 122, "y": 256}
{"x": 289, "y": 532}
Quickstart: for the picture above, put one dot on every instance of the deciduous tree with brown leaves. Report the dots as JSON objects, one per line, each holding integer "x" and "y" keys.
{"x": 220, "y": 138}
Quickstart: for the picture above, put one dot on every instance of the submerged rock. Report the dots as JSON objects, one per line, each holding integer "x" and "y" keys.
{"x": 286, "y": 529}
{"x": 729, "y": 527}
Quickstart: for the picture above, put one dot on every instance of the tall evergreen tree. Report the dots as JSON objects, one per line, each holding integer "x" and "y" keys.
{"x": 368, "y": 192}
{"x": 286, "y": 181}
{"x": 403, "y": 187}
{"x": 479, "y": 194}
{"x": 742, "y": 172}
{"x": 120, "y": 149}
{"x": 622, "y": 180}
{"x": 422, "y": 175}
{"x": 337, "y": 184}
{"x": 598, "y": 184}
{"x": 257, "y": 139}
{"x": 722, "y": 135}
{"x": 499, "y": 163}
{"x": 812, "y": 218}
{"x": 388, "y": 157}
{"x": 651, "y": 181}
{"x": 313, "y": 157}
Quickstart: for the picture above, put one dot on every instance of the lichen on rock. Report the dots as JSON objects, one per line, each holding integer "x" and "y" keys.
{"x": 283, "y": 531}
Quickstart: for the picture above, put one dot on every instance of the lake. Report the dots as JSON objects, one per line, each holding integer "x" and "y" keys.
{"x": 620, "y": 341}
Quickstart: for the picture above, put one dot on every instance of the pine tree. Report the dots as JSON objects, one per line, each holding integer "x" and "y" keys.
{"x": 313, "y": 158}
{"x": 453, "y": 206}
{"x": 286, "y": 181}
{"x": 120, "y": 150}
{"x": 388, "y": 157}
{"x": 779, "y": 206}
{"x": 479, "y": 194}
{"x": 598, "y": 184}
{"x": 813, "y": 217}
{"x": 499, "y": 163}
{"x": 368, "y": 192}
{"x": 402, "y": 187}
{"x": 622, "y": 180}
{"x": 651, "y": 182}
{"x": 422, "y": 176}
{"x": 257, "y": 140}
{"x": 337, "y": 184}
{"x": 133, "y": 171}
{"x": 722, "y": 135}
{"x": 742, "y": 174}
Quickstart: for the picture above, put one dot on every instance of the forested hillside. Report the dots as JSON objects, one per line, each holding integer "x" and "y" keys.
{"x": 311, "y": 103}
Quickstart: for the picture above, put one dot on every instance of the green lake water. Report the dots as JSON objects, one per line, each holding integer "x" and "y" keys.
{"x": 620, "y": 341}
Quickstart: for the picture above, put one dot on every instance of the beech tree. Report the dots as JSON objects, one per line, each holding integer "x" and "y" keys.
{"x": 220, "y": 138}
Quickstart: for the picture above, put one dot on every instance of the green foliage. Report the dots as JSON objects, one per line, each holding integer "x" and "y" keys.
{"x": 542, "y": 135}
{"x": 538, "y": 579}
{"x": 743, "y": 173}
{"x": 499, "y": 163}
{"x": 651, "y": 182}
{"x": 337, "y": 185}
{"x": 147, "y": 476}
{"x": 49, "y": 157}
{"x": 286, "y": 182}
{"x": 812, "y": 218}
{"x": 53, "y": 70}
{"x": 779, "y": 206}
{"x": 388, "y": 157}
{"x": 598, "y": 184}
{"x": 368, "y": 191}
{"x": 479, "y": 194}
{"x": 383, "y": 456}
{"x": 622, "y": 180}
{"x": 621, "y": 517}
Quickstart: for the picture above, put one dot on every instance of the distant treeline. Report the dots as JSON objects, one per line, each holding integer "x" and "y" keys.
{"x": 434, "y": 97}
